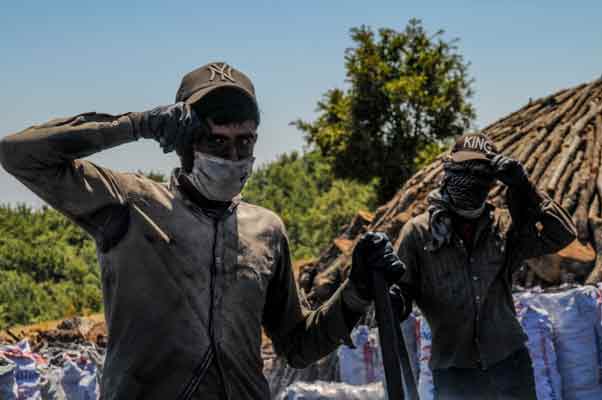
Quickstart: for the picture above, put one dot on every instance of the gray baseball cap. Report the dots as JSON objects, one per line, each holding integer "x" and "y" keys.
{"x": 204, "y": 80}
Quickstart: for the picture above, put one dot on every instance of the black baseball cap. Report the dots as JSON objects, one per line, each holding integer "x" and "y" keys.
{"x": 204, "y": 80}
{"x": 473, "y": 146}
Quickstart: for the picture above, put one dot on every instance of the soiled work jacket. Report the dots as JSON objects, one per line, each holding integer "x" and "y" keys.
{"x": 176, "y": 283}
{"x": 466, "y": 297}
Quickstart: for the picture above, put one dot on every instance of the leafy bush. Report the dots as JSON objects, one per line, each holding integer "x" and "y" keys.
{"x": 48, "y": 267}
{"x": 314, "y": 205}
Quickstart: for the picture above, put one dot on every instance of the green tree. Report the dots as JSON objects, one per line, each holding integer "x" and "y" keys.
{"x": 407, "y": 90}
{"x": 313, "y": 205}
{"x": 48, "y": 267}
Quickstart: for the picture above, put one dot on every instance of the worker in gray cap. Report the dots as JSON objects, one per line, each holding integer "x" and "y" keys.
{"x": 459, "y": 258}
{"x": 190, "y": 272}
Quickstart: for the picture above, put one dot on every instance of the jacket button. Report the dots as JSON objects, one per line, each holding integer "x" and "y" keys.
{"x": 478, "y": 298}
{"x": 471, "y": 259}
{"x": 475, "y": 278}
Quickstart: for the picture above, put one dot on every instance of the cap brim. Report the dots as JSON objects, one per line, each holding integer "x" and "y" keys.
{"x": 199, "y": 94}
{"x": 468, "y": 155}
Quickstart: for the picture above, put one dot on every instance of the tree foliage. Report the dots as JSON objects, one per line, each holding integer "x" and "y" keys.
{"x": 48, "y": 267}
{"x": 407, "y": 90}
{"x": 313, "y": 205}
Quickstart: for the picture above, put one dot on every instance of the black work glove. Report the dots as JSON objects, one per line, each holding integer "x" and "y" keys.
{"x": 522, "y": 193}
{"x": 509, "y": 171}
{"x": 172, "y": 125}
{"x": 374, "y": 252}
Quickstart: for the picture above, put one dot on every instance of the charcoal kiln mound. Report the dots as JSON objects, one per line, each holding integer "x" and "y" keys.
{"x": 558, "y": 138}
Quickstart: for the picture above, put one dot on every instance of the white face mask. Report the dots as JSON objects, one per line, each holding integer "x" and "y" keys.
{"x": 219, "y": 179}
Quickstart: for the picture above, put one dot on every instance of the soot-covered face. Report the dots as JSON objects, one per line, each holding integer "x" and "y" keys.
{"x": 233, "y": 141}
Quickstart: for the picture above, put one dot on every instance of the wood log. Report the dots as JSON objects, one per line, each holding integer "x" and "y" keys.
{"x": 564, "y": 181}
{"x": 537, "y": 122}
{"x": 596, "y": 228}
{"x": 594, "y": 208}
{"x": 564, "y": 161}
{"x": 532, "y": 145}
{"x": 565, "y": 130}
{"x": 555, "y": 139}
{"x": 582, "y": 99}
{"x": 550, "y": 118}
{"x": 559, "y": 114}
{"x": 565, "y": 94}
{"x": 504, "y": 145}
{"x": 538, "y": 151}
{"x": 496, "y": 134}
{"x": 599, "y": 155}
{"x": 569, "y": 201}
{"x": 514, "y": 150}
{"x": 594, "y": 110}
{"x": 515, "y": 117}
{"x": 592, "y": 165}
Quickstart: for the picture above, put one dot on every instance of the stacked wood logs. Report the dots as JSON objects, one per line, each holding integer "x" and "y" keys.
{"x": 559, "y": 139}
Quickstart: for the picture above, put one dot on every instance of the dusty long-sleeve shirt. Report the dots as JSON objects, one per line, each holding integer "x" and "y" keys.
{"x": 182, "y": 291}
{"x": 464, "y": 292}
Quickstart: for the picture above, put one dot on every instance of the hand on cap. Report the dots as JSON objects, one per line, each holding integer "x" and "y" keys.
{"x": 372, "y": 253}
{"x": 172, "y": 125}
{"x": 509, "y": 171}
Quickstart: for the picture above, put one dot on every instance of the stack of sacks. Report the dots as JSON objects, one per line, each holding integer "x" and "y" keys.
{"x": 363, "y": 364}
{"x": 537, "y": 325}
{"x": 333, "y": 391}
{"x": 8, "y": 381}
{"x": 79, "y": 378}
{"x": 575, "y": 316}
{"x": 426, "y": 388}
{"x": 28, "y": 376}
{"x": 27, "y": 371}
{"x": 411, "y": 333}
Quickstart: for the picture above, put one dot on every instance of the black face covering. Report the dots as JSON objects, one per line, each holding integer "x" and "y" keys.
{"x": 468, "y": 183}
{"x": 465, "y": 188}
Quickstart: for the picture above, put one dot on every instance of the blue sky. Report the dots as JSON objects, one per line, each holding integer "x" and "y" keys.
{"x": 59, "y": 58}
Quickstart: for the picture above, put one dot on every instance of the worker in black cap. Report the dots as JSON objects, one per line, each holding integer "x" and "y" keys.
{"x": 459, "y": 258}
{"x": 190, "y": 273}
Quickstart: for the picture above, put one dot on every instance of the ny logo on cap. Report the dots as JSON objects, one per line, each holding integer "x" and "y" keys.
{"x": 478, "y": 143}
{"x": 224, "y": 70}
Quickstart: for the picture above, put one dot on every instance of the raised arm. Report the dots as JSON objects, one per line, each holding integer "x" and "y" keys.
{"x": 47, "y": 159}
{"x": 539, "y": 226}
